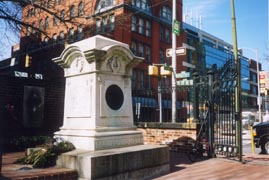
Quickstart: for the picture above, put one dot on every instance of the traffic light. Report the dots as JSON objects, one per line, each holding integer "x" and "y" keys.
{"x": 28, "y": 60}
{"x": 153, "y": 70}
{"x": 166, "y": 70}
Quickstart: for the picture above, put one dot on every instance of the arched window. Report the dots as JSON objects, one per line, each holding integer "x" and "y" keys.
{"x": 72, "y": 12}
{"x": 80, "y": 9}
{"x": 104, "y": 5}
{"x": 142, "y": 4}
{"x": 166, "y": 13}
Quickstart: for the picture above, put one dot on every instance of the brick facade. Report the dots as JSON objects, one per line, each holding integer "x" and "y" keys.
{"x": 157, "y": 133}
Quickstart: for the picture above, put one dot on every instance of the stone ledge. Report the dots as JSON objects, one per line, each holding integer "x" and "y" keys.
{"x": 191, "y": 126}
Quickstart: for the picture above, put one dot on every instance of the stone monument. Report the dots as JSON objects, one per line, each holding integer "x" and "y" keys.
{"x": 98, "y": 115}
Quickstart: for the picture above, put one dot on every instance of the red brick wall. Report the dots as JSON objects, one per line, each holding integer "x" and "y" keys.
{"x": 156, "y": 133}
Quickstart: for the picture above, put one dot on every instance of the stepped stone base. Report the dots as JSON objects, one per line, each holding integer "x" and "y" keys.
{"x": 134, "y": 162}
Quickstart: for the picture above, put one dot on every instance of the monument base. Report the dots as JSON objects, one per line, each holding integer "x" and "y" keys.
{"x": 134, "y": 162}
{"x": 102, "y": 138}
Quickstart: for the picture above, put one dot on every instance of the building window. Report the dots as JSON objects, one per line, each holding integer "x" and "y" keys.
{"x": 141, "y": 26}
{"x": 41, "y": 25}
{"x": 161, "y": 56}
{"x": 46, "y": 40}
{"x": 80, "y": 33}
{"x": 134, "y": 20}
{"x": 161, "y": 33}
{"x": 98, "y": 25}
{"x": 28, "y": 32}
{"x": 105, "y": 24}
{"x": 148, "y": 28}
{"x": 140, "y": 50}
{"x": 72, "y": 12}
{"x": 63, "y": 15}
{"x": 134, "y": 79}
{"x": 54, "y": 37}
{"x": 166, "y": 13}
{"x": 148, "y": 82}
{"x": 71, "y": 35}
{"x": 148, "y": 54}
{"x": 55, "y": 21}
{"x": 133, "y": 47}
{"x": 104, "y": 5}
{"x": 56, "y": 2}
{"x": 142, "y": 4}
{"x": 80, "y": 9}
{"x": 61, "y": 37}
{"x": 48, "y": 5}
{"x": 112, "y": 22}
{"x": 47, "y": 21}
{"x": 167, "y": 36}
{"x": 34, "y": 26}
{"x": 141, "y": 80}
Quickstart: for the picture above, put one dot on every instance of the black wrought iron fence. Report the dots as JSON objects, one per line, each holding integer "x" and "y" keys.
{"x": 155, "y": 105}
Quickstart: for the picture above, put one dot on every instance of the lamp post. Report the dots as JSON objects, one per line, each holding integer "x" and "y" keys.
{"x": 259, "y": 100}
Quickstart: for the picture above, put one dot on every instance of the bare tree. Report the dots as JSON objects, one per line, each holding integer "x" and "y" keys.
{"x": 13, "y": 25}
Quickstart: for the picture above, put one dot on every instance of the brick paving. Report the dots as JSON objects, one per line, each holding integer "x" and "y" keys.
{"x": 11, "y": 171}
{"x": 255, "y": 167}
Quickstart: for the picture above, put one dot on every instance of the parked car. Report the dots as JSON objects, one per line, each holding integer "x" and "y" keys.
{"x": 261, "y": 136}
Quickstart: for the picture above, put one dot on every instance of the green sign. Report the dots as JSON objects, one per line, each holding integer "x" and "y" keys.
{"x": 176, "y": 27}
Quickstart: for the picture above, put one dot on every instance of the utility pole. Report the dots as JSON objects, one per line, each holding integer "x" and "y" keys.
{"x": 174, "y": 66}
{"x": 238, "y": 108}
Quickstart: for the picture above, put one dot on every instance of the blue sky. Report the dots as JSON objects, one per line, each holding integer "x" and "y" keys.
{"x": 251, "y": 23}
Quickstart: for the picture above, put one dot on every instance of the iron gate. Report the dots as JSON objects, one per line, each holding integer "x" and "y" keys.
{"x": 217, "y": 90}
{"x": 224, "y": 98}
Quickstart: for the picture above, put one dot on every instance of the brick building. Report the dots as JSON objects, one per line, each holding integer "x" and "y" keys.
{"x": 145, "y": 25}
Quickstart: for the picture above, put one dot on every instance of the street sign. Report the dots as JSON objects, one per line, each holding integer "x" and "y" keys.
{"x": 176, "y": 27}
{"x": 189, "y": 65}
{"x": 179, "y": 52}
{"x": 183, "y": 74}
{"x": 185, "y": 82}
